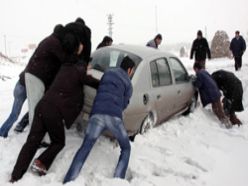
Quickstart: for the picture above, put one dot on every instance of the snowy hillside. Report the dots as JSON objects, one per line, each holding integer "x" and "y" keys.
{"x": 185, "y": 151}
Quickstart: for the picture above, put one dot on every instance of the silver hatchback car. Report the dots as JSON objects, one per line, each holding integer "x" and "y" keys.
{"x": 161, "y": 85}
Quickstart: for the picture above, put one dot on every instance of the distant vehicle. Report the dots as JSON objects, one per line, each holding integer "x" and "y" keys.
{"x": 162, "y": 86}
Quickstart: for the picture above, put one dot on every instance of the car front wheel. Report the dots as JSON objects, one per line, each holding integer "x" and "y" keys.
{"x": 147, "y": 124}
{"x": 192, "y": 105}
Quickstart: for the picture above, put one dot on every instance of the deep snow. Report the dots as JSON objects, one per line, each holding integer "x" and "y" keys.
{"x": 185, "y": 151}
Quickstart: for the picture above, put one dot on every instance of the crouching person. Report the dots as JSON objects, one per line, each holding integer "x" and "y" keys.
{"x": 232, "y": 89}
{"x": 209, "y": 93}
{"x": 59, "y": 106}
{"x": 112, "y": 98}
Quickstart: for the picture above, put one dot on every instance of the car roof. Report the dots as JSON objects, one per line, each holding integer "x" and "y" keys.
{"x": 141, "y": 51}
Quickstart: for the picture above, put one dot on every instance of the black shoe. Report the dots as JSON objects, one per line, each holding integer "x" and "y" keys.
{"x": 22, "y": 124}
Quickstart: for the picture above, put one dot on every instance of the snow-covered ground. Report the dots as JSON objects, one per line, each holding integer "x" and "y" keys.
{"x": 186, "y": 151}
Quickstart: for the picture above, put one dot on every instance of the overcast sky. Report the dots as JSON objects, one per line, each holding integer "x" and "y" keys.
{"x": 135, "y": 22}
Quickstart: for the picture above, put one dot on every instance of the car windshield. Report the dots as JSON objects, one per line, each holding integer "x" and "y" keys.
{"x": 106, "y": 57}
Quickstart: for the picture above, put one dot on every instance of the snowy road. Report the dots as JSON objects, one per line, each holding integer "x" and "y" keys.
{"x": 185, "y": 151}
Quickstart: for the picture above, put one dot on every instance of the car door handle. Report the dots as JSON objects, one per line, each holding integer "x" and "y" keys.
{"x": 158, "y": 96}
{"x": 145, "y": 99}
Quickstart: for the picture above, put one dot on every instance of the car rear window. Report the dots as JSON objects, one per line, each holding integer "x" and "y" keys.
{"x": 106, "y": 57}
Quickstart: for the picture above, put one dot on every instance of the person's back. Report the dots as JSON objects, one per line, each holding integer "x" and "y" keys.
{"x": 113, "y": 93}
{"x": 232, "y": 89}
{"x": 208, "y": 89}
{"x": 46, "y": 60}
{"x": 66, "y": 91}
{"x": 226, "y": 81}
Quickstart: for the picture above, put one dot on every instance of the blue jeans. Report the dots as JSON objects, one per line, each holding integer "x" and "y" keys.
{"x": 19, "y": 98}
{"x": 96, "y": 125}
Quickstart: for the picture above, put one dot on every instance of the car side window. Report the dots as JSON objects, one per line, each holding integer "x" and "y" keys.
{"x": 160, "y": 73}
{"x": 154, "y": 74}
{"x": 105, "y": 58}
{"x": 180, "y": 73}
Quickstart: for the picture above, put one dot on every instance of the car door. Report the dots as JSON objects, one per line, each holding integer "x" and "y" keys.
{"x": 162, "y": 88}
{"x": 184, "y": 89}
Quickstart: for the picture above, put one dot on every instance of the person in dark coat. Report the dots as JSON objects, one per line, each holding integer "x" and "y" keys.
{"x": 154, "y": 43}
{"x": 59, "y": 107}
{"x": 209, "y": 93}
{"x": 107, "y": 41}
{"x": 112, "y": 98}
{"x": 238, "y": 47}
{"x": 232, "y": 89}
{"x": 49, "y": 56}
{"x": 200, "y": 49}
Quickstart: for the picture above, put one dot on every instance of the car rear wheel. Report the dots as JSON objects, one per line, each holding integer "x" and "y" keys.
{"x": 148, "y": 123}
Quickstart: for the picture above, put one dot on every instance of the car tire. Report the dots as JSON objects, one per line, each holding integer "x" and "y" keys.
{"x": 192, "y": 105}
{"x": 147, "y": 124}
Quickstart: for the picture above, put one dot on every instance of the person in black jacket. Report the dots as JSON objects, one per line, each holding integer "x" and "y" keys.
{"x": 47, "y": 60}
{"x": 238, "y": 46}
{"x": 232, "y": 89}
{"x": 200, "y": 49}
{"x": 59, "y": 107}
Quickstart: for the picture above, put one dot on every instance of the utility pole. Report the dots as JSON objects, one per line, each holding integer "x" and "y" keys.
{"x": 110, "y": 24}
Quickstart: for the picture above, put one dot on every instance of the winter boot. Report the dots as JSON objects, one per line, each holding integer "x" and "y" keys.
{"x": 22, "y": 124}
{"x": 234, "y": 120}
{"x": 38, "y": 168}
{"x": 226, "y": 122}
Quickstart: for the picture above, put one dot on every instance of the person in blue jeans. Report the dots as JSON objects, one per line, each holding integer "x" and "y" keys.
{"x": 19, "y": 98}
{"x": 112, "y": 98}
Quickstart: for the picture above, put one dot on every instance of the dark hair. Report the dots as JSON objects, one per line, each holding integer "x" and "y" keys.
{"x": 199, "y": 33}
{"x": 84, "y": 34}
{"x": 80, "y": 20}
{"x": 127, "y": 63}
{"x": 158, "y": 36}
{"x": 107, "y": 39}
{"x": 59, "y": 31}
{"x": 70, "y": 43}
